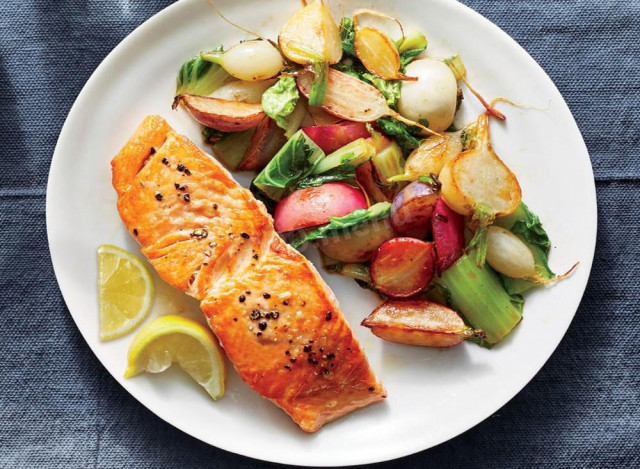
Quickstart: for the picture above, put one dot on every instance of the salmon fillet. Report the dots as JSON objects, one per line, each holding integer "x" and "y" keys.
{"x": 277, "y": 320}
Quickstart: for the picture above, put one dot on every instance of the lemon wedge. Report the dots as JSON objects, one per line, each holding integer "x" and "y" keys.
{"x": 125, "y": 291}
{"x": 175, "y": 339}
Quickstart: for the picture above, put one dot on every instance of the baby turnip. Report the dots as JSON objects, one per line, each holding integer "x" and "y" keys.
{"x": 432, "y": 97}
{"x": 508, "y": 254}
{"x": 249, "y": 60}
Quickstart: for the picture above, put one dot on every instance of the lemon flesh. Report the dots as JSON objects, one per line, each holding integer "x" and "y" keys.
{"x": 175, "y": 339}
{"x": 125, "y": 291}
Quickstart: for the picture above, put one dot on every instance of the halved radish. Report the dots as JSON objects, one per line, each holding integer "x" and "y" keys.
{"x": 332, "y": 137}
{"x": 316, "y": 205}
{"x": 226, "y": 116}
{"x": 447, "y": 228}
{"x": 403, "y": 266}
{"x": 412, "y": 208}
{"x": 348, "y": 97}
{"x": 419, "y": 322}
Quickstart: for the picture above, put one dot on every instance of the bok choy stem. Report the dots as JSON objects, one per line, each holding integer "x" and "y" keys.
{"x": 477, "y": 293}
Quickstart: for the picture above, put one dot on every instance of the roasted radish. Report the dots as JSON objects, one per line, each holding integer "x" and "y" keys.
{"x": 265, "y": 143}
{"x": 403, "y": 266}
{"x": 311, "y": 35}
{"x": 412, "y": 208}
{"x": 477, "y": 180}
{"x": 447, "y": 229}
{"x": 332, "y": 137}
{"x": 359, "y": 245}
{"x": 352, "y": 99}
{"x": 316, "y": 205}
{"x": 226, "y": 116}
{"x": 418, "y": 322}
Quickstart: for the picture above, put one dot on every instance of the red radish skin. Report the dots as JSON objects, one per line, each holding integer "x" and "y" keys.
{"x": 412, "y": 209}
{"x": 316, "y": 205}
{"x": 403, "y": 266}
{"x": 447, "y": 228}
{"x": 332, "y": 137}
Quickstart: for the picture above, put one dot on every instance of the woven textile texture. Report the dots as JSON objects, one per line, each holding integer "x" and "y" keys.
{"x": 59, "y": 408}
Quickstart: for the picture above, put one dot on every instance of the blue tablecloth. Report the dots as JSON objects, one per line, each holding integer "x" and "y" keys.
{"x": 60, "y": 408}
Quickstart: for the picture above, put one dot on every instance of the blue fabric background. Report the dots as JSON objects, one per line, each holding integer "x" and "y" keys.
{"x": 60, "y": 408}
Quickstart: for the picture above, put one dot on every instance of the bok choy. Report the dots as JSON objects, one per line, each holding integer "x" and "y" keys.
{"x": 295, "y": 161}
{"x": 197, "y": 76}
{"x": 477, "y": 293}
{"x": 351, "y": 222}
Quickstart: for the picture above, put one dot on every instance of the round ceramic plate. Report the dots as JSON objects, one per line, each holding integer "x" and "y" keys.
{"x": 434, "y": 395}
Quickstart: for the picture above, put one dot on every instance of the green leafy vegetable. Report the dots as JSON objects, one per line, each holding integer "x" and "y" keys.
{"x": 295, "y": 161}
{"x": 353, "y": 154}
{"x": 197, "y": 76}
{"x": 477, "y": 293}
{"x": 340, "y": 225}
{"x": 405, "y": 136}
{"x": 347, "y": 34}
{"x": 411, "y": 46}
{"x": 528, "y": 226}
{"x": 319, "y": 84}
{"x": 280, "y": 100}
{"x": 342, "y": 173}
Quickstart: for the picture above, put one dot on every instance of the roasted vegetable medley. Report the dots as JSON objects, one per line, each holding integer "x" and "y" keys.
{"x": 350, "y": 129}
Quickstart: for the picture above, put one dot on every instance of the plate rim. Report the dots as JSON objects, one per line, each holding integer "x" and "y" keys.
{"x": 389, "y": 455}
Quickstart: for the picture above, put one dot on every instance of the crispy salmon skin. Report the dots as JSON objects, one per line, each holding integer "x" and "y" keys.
{"x": 277, "y": 320}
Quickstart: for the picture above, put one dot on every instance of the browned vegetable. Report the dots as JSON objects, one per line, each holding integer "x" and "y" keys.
{"x": 226, "y": 116}
{"x": 412, "y": 208}
{"x": 311, "y": 34}
{"x": 365, "y": 175}
{"x": 477, "y": 179}
{"x": 266, "y": 142}
{"x": 418, "y": 322}
{"x": 352, "y": 99}
{"x": 378, "y": 54}
{"x": 359, "y": 245}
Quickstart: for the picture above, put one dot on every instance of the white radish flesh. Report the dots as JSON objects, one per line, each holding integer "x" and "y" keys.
{"x": 432, "y": 97}
{"x": 508, "y": 254}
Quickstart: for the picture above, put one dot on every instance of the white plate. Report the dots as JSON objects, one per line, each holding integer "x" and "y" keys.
{"x": 434, "y": 395}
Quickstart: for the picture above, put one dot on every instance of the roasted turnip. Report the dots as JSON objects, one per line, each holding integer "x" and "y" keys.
{"x": 447, "y": 229}
{"x": 316, "y": 205}
{"x": 477, "y": 179}
{"x": 403, "y": 266}
{"x": 332, "y": 137}
{"x": 509, "y": 255}
{"x": 311, "y": 35}
{"x": 412, "y": 208}
{"x": 418, "y": 322}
